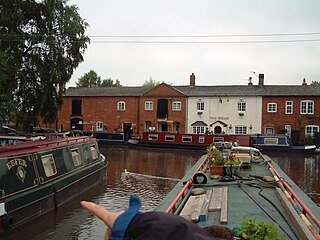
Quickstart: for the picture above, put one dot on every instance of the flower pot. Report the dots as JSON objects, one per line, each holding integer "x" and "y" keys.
{"x": 231, "y": 170}
{"x": 216, "y": 170}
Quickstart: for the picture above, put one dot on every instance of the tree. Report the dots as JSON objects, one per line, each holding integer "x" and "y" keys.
{"x": 43, "y": 42}
{"x": 90, "y": 79}
{"x": 151, "y": 83}
{"x": 109, "y": 83}
{"x": 315, "y": 83}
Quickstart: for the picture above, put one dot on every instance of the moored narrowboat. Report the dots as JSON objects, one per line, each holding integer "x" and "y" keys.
{"x": 186, "y": 140}
{"x": 37, "y": 177}
{"x": 258, "y": 202}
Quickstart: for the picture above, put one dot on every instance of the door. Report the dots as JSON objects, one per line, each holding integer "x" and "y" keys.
{"x": 162, "y": 111}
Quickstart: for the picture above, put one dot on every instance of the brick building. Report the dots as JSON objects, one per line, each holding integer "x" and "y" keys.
{"x": 238, "y": 109}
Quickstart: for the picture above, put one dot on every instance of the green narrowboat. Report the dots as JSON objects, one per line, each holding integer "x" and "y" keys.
{"x": 38, "y": 176}
{"x": 259, "y": 201}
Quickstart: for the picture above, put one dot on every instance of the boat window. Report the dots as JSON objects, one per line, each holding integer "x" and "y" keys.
{"x": 271, "y": 141}
{"x": 186, "y": 139}
{"x": 201, "y": 139}
{"x": 169, "y": 138}
{"x": 218, "y": 139}
{"x": 153, "y": 137}
{"x": 49, "y": 165}
{"x": 76, "y": 157}
{"x": 94, "y": 152}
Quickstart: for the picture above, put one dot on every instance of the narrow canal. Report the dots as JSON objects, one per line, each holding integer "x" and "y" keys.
{"x": 153, "y": 173}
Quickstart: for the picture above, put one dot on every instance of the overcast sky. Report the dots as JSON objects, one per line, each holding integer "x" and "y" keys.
{"x": 201, "y": 37}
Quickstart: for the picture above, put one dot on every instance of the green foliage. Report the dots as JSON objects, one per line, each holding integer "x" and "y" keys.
{"x": 315, "y": 83}
{"x": 91, "y": 79}
{"x": 44, "y": 41}
{"x": 217, "y": 158}
{"x": 152, "y": 83}
{"x": 252, "y": 229}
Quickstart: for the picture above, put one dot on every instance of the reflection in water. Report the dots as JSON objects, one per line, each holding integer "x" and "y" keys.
{"x": 303, "y": 170}
{"x": 70, "y": 221}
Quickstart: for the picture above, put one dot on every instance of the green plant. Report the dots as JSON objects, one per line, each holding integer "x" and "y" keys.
{"x": 232, "y": 161}
{"x": 216, "y": 155}
{"x": 253, "y": 229}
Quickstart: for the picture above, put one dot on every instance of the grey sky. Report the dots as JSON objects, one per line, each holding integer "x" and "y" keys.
{"x": 213, "y": 63}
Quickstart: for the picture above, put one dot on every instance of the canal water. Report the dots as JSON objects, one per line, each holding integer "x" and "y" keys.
{"x": 152, "y": 174}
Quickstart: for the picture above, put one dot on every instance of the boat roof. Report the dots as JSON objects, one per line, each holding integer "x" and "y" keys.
{"x": 248, "y": 197}
{"x": 32, "y": 146}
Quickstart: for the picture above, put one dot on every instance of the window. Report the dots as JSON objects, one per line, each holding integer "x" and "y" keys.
{"x": 153, "y": 137}
{"x": 94, "y": 152}
{"x": 201, "y": 139}
{"x": 76, "y": 157}
{"x": 198, "y": 129}
{"x": 49, "y": 165}
{"x": 307, "y": 107}
{"x": 240, "y": 130}
{"x": 272, "y": 107}
{"x": 148, "y": 106}
{"x": 176, "y": 106}
{"x": 99, "y": 126}
{"x": 169, "y": 138}
{"x": 121, "y": 106}
{"x": 200, "y": 106}
{"x": 311, "y": 130}
{"x": 241, "y": 106}
{"x": 288, "y": 130}
{"x": 271, "y": 141}
{"x": 186, "y": 139}
{"x": 289, "y": 107}
{"x": 269, "y": 131}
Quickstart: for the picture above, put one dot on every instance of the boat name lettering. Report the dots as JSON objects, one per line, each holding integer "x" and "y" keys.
{"x": 16, "y": 162}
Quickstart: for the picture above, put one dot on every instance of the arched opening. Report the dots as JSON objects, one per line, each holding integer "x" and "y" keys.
{"x": 217, "y": 129}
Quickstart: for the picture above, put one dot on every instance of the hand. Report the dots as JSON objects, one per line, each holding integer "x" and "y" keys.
{"x": 107, "y": 217}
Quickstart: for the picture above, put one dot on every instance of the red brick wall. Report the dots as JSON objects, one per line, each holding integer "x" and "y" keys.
{"x": 297, "y": 121}
{"x": 101, "y": 109}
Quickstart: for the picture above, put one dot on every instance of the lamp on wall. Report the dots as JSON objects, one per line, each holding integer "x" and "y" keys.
{"x": 250, "y": 126}
{"x": 230, "y": 126}
{"x": 220, "y": 100}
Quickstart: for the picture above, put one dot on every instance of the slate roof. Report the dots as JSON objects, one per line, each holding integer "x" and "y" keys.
{"x": 229, "y": 90}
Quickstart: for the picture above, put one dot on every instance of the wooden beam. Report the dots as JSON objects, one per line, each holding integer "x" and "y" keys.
{"x": 224, "y": 206}
{"x": 215, "y": 203}
{"x": 294, "y": 216}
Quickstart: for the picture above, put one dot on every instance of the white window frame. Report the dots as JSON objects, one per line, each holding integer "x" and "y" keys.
{"x": 99, "y": 126}
{"x": 241, "y": 106}
{"x": 76, "y": 158}
{"x": 289, "y": 107}
{"x": 49, "y": 165}
{"x": 288, "y": 128}
{"x": 121, "y": 106}
{"x": 176, "y": 106}
{"x": 310, "y": 130}
{"x": 148, "y": 106}
{"x": 200, "y": 105}
{"x": 240, "y": 130}
{"x": 198, "y": 129}
{"x": 267, "y": 129}
{"x": 272, "y": 107}
{"x": 94, "y": 152}
{"x": 308, "y": 108}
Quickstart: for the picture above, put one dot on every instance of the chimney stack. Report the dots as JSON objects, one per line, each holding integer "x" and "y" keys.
{"x": 250, "y": 81}
{"x": 261, "y": 79}
{"x": 304, "y": 82}
{"x": 192, "y": 80}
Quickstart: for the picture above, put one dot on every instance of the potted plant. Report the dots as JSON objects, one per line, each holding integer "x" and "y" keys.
{"x": 232, "y": 165}
{"x": 253, "y": 229}
{"x": 216, "y": 164}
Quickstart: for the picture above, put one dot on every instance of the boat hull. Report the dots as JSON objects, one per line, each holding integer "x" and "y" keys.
{"x": 43, "y": 194}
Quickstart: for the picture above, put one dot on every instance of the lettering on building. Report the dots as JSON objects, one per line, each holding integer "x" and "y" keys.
{"x": 16, "y": 162}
